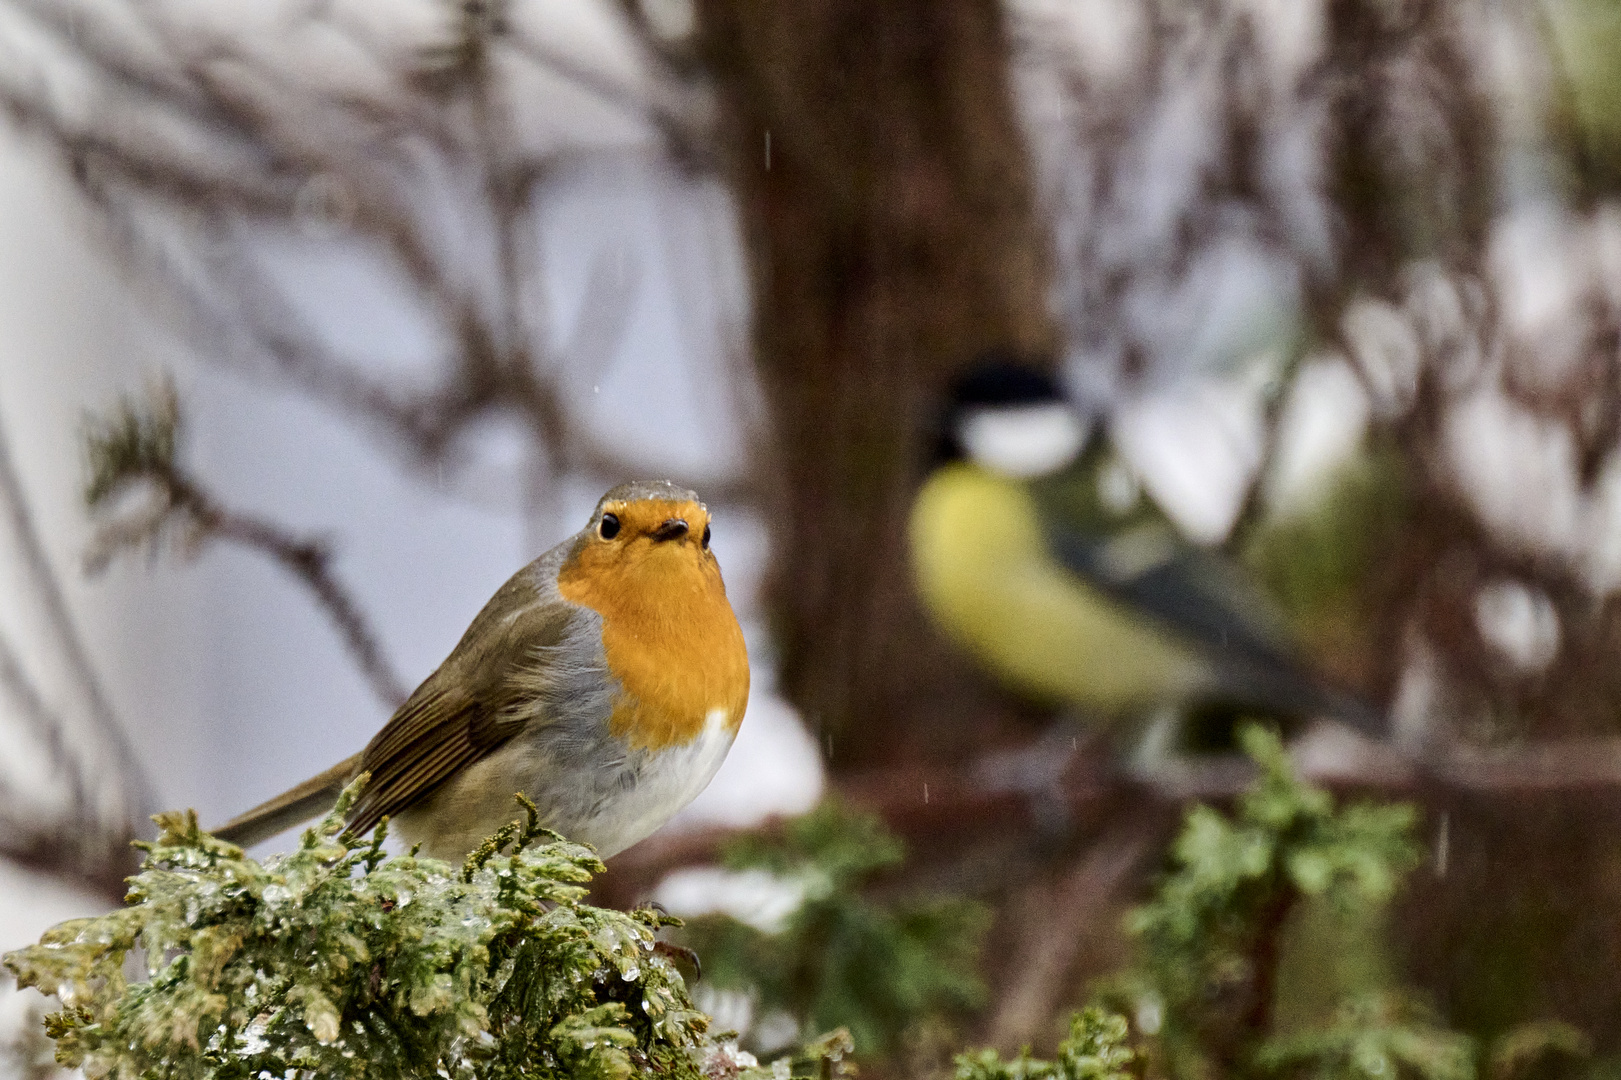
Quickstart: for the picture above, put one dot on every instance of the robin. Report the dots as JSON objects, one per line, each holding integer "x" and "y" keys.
{"x": 1110, "y": 611}
{"x": 605, "y": 681}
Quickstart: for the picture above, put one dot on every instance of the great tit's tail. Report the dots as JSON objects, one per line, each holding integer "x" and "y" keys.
{"x": 1278, "y": 683}
{"x": 292, "y": 807}
{"x": 1203, "y": 601}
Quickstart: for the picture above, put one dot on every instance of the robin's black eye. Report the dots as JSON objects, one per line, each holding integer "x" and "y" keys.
{"x": 608, "y": 527}
{"x": 706, "y": 538}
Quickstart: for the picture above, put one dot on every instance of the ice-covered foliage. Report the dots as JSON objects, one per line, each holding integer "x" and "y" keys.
{"x": 843, "y": 958}
{"x": 339, "y": 961}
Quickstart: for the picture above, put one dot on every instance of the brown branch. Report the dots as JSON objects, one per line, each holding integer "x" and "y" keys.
{"x": 1234, "y": 1043}
{"x": 961, "y": 806}
{"x": 98, "y": 861}
{"x": 1055, "y": 930}
{"x": 310, "y": 561}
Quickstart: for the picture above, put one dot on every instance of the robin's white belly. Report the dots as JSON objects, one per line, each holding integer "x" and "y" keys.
{"x": 669, "y": 780}
{"x": 596, "y": 793}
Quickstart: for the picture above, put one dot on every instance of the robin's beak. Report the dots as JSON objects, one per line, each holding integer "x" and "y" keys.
{"x": 673, "y": 529}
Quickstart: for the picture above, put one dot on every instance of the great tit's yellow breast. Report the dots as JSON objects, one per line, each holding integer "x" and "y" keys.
{"x": 670, "y": 640}
{"x": 984, "y": 571}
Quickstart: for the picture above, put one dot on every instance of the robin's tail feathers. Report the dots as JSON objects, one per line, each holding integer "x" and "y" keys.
{"x": 292, "y": 807}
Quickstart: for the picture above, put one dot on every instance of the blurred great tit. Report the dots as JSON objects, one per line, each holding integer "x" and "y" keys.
{"x": 1069, "y": 601}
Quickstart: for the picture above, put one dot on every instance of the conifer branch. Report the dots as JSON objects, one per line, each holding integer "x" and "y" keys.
{"x": 334, "y": 960}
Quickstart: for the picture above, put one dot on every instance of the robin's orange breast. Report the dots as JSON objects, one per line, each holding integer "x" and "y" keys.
{"x": 669, "y": 636}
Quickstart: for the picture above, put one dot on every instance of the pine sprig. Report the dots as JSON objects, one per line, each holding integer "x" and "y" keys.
{"x": 1210, "y": 940}
{"x": 132, "y": 442}
{"x": 1373, "y": 1037}
{"x": 134, "y": 446}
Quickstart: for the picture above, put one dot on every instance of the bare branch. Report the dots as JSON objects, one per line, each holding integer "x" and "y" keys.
{"x": 61, "y": 626}
{"x": 46, "y": 723}
{"x": 97, "y": 860}
{"x": 1054, "y": 930}
{"x": 310, "y": 561}
{"x": 278, "y": 133}
{"x": 131, "y": 447}
{"x": 961, "y": 806}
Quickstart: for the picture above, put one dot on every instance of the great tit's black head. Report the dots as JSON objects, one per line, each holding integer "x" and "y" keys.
{"x": 1000, "y": 380}
{"x": 1007, "y": 415}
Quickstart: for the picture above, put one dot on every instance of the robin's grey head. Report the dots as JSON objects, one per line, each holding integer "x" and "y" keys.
{"x": 655, "y": 509}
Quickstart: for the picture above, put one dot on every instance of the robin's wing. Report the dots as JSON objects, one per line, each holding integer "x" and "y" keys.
{"x": 472, "y": 704}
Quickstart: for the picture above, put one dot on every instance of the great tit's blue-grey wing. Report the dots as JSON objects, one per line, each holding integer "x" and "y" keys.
{"x": 1149, "y": 568}
{"x": 1202, "y": 599}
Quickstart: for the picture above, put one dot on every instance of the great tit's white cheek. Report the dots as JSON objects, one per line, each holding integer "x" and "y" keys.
{"x": 1023, "y": 441}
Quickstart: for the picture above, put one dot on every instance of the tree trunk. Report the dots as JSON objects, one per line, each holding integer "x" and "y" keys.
{"x": 886, "y": 200}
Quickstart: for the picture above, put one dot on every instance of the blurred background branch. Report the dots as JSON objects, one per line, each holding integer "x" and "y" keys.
{"x": 86, "y": 750}
{"x": 135, "y": 447}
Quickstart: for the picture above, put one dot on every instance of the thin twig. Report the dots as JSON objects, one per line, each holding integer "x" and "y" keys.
{"x": 309, "y": 560}
{"x": 67, "y": 640}
{"x": 663, "y": 116}
{"x": 1056, "y": 930}
{"x": 134, "y": 446}
{"x": 46, "y": 723}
